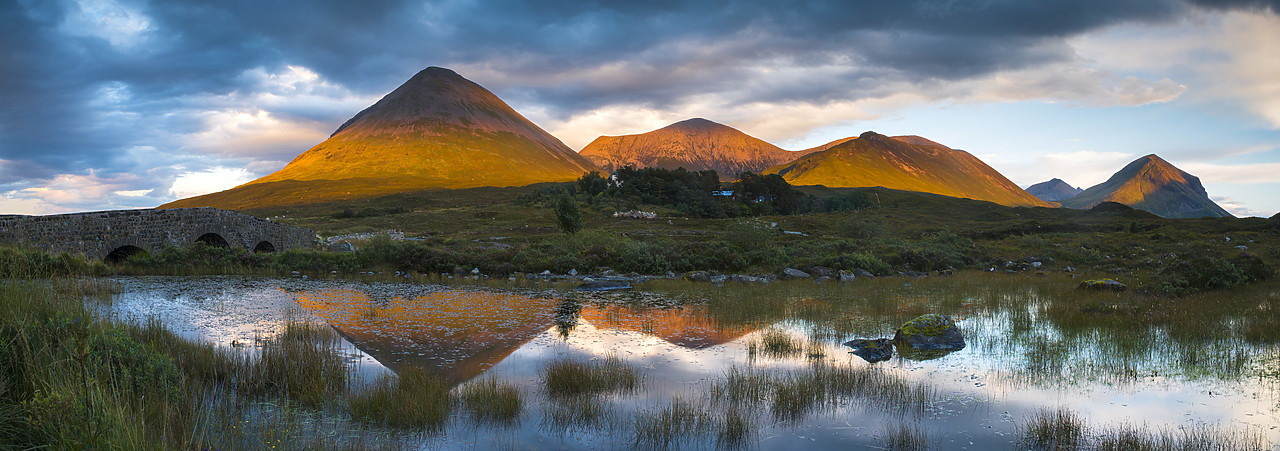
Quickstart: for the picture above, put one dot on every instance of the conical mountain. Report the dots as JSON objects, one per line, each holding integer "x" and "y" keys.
{"x": 437, "y": 130}
{"x": 1152, "y": 184}
{"x": 695, "y": 144}
{"x": 908, "y": 163}
{"x": 1054, "y": 190}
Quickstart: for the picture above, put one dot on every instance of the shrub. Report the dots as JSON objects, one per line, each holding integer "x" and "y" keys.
{"x": 568, "y": 216}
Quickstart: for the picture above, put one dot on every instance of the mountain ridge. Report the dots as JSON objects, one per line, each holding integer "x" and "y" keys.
{"x": 909, "y": 163}
{"x": 695, "y": 144}
{"x": 437, "y": 130}
{"x": 1154, "y": 185}
{"x": 1054, "y": 190}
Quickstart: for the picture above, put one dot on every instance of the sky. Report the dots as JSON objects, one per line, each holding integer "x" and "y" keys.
{"x": 111, "y": 104}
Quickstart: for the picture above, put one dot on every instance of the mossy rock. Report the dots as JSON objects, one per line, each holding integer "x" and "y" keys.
{"x": 1102, "y": 285}
{"x": 929, "y": 332}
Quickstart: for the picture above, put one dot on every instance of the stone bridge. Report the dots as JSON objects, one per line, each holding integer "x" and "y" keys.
{"x": 116, "y": 234}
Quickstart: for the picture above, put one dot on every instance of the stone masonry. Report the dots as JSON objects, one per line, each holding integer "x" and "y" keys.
{"x": 97, "y": 234}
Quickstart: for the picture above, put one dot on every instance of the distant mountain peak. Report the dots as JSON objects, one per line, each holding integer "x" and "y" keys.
{"x": 1054, "y": 190}
{"x": 695, "y": 144}
{"x": 1150, "y": 183}
{"x": 437, "y": 130}
{"x": 908, "y": 163}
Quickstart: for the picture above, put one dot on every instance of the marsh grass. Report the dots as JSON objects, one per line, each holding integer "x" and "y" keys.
{"x": 777, "y": 344}
{"x": 303, "y": 362}
{"x": 1053, "y": 429}
{"x": 492, "y": 402}
{"x": 573, "y": 378}
{"x": 904, "y": 437}
{"x": 1063, "y": 429}
{"x": 793, "y": 396}
{"x": 681, "y": 421}
{"x": 411, "y": 399}
{"x": 72, "y": 379}
{"x": 576, "y": 413}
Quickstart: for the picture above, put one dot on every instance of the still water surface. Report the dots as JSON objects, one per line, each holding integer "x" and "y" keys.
{"x": 1022, "y": 355}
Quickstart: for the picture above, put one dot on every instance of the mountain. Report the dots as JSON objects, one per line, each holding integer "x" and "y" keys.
{"x": 1152, "y": 184}
{"x": 1053, "y": 190}
{"x": 437, "y": 130}
{"x": 908, "y": 163}
{"x": 695, "y": 144}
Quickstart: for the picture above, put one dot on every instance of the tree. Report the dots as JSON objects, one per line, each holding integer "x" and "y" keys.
{"x": 568, "y": 216}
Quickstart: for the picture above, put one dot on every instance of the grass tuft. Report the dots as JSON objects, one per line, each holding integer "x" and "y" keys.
{"x": 573, "y": 378}
{"x": 490, "y": 401}
{"x": 412, "y": 399}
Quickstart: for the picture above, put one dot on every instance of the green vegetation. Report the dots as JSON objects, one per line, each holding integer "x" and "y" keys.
{"x": 491, "y": 401}
{"x": 903, "y": 437}
{"x": 568, "y": 216}
{"x": 568, "y": 378}
{"x": 508, "y": 230}
{"x": 1062, "y": 429}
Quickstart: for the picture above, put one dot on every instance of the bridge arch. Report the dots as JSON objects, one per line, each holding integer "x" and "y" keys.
{"x": 122, "y": 253}
{"x": 213, "y": 239}
{"x": 264, "y": 246}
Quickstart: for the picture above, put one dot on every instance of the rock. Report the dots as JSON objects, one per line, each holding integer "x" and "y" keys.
{"x": 846, "y": 276}
{"x": 928, "y": 336}
{"x": 671, "y": 275}
{"x": 745, "y": 278}
{"x": 475, "y": 271}
{"x": 792, "y": 273}
{"x": 604, "y": 285}
{"x": 821, "y": 271}
{"x": 822, "y": 279}
{"x": 342, "y": 247}
{"x": 1036, "y": 264}
{"x": 863, "y": 273}
{"x": 873, "y": 351}
{"x": 717, "y": 279}
{"x": 573, "y": 272}
{"x": 699, "y": 276}
{"x": 1102, "y": 285}
{"x": 1068, "y": 269}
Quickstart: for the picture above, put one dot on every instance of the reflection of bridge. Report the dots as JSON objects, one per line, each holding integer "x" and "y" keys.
{"x": 116, "y": 234}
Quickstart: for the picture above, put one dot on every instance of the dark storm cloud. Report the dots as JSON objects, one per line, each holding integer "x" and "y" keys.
{"x": 74, "y": 100}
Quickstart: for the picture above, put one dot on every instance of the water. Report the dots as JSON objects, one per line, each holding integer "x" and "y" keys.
{"x": 1024, "y": 352}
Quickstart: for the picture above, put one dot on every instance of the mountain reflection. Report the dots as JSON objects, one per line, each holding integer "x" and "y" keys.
{"x": 456, "y": 333}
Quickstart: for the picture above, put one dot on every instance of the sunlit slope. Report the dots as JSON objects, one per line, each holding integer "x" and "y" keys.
{"x": 438, "y": 130}
{"x": 908, "y": 163}
{"x": 1152, "y": 184}
{"x": 695, "y": 144}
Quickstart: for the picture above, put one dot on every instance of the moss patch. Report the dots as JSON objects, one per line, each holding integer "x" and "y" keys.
{"x": 929, "y": 324}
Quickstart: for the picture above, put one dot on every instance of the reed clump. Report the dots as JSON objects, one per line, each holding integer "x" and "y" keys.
{"x": 411, "y": 399}
{"x": 490, "y": 401}
{"x": 903, "y": 437}
{"x": 679, "y": 422}
{"x": 574, "y": 378}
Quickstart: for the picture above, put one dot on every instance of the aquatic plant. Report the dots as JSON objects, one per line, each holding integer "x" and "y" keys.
{"x": 574, "y": 378}
{"x": 678, "y": 422}
{"x": 411, "y": 399}
{"x": 490, "y": 401}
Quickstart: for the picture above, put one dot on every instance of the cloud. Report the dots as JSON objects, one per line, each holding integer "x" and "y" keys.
{"x": 212, "y": 180}
{"x": 1235, "y": 173}
{"x": 99, "y": 89}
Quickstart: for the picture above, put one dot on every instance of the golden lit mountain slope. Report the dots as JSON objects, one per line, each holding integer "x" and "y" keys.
{"x": 1152, "y": 184}
{"x": 437, "y": 130}
{"x": 695, "y": 144}
{"x": 908, "y": 163}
